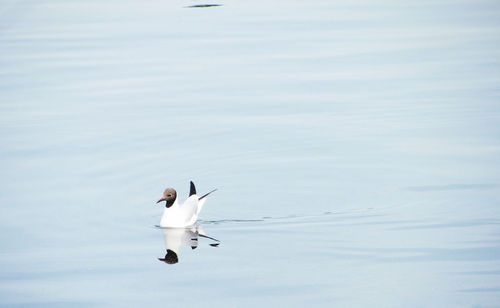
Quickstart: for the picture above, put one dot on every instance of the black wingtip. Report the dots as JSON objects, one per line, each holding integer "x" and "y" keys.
{"x": 206, "y": 194}
{"x": 192, "y": 190}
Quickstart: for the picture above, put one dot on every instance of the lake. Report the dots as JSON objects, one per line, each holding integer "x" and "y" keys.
{"x": 355, "y": 147}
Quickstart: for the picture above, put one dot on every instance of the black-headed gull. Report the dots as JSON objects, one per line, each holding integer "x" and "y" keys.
{"x": 182, "y": 215}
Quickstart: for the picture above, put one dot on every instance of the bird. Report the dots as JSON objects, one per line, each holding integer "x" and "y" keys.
{"x": 183, "y": 215}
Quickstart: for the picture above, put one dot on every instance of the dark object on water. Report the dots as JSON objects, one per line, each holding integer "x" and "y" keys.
{"x": 213, "y": 239}
{"x": 203, "y": 5}
{"x": 170, "y": 257}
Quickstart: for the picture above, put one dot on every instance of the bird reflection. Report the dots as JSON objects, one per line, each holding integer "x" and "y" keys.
{"x": 175, "y": 238}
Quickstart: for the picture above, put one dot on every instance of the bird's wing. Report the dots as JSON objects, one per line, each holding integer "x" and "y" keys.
{"x": 192, "y": 189}
{"x": 202, "y": 200}
{"x": 189, "y": 208}
{"x": 205, "y": 195}
{"x": 200, "y": 206}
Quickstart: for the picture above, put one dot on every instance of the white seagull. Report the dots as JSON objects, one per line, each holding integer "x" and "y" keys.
{"x": 183, "y": 215}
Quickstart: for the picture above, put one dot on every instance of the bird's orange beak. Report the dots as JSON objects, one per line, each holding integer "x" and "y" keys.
{"x": 162, "y": 199}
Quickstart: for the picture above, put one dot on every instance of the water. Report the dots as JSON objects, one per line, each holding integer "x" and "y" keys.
{"x": 355, "y": 148}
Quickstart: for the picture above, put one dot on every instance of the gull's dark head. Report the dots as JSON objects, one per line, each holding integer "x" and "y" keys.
{"x": 169, "y": 196}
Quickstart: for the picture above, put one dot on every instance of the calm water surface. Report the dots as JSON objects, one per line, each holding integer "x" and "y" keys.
{"x": 355, "y": 146}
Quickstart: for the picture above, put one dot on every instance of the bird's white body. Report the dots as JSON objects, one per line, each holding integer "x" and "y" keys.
{"x": 182, "y": 215}
{"x": 176, "y": 215}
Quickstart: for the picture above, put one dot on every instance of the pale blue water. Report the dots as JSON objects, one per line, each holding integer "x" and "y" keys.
{"x": 355, "y": 146}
